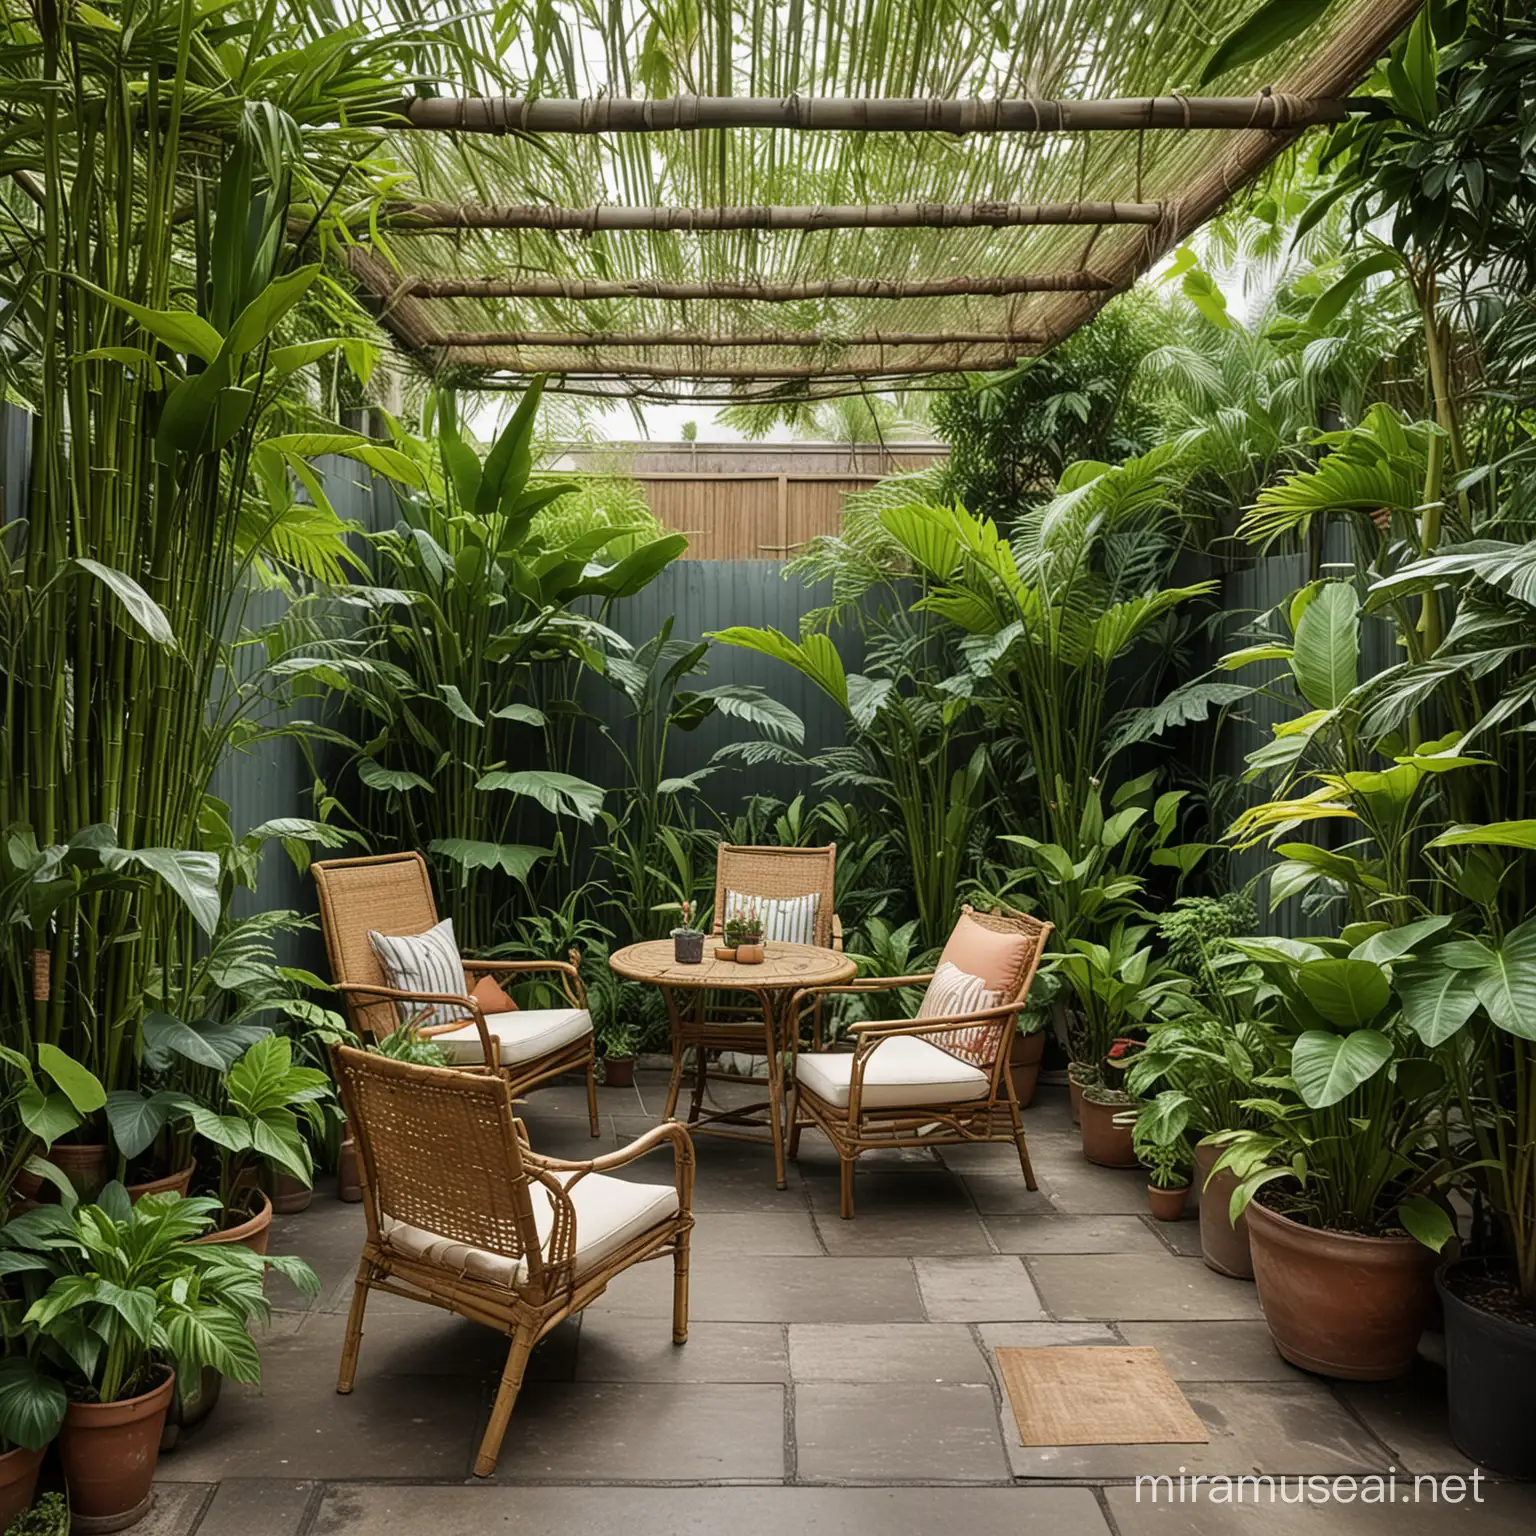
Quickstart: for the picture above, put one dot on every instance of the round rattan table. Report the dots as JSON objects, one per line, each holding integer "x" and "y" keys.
{"x": 694, "y": 1022}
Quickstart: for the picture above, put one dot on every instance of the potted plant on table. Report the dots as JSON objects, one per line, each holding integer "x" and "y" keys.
{"x": 1339, "y": 1184}
{"x": 125, "y": 1301}
{"x": 687, "y": 941}
{"x": 743, "y": 932}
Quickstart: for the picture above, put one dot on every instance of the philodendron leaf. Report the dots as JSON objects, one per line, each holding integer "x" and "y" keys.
{"x": 1507, "y": 987}
{"x": 1420, "y": 1217}
{"x": 1437, "y": 998}
{"x": 136, "y": 1119}
{"x": 1327, "y": 1068}
{"x": 1326, "y": 656}
{"x": 1392, "y": 943}
{"x": 456, "y": 705}
{"x": 514, "y": 859}
{"x": 561, "y": 793}
{"x": 1348, "y": 993}
{"x": 376, "y": 776}
{"x": 32, "y": 1403}
{"x": 78, "y": 1084}
{"x": 193, "y": 875}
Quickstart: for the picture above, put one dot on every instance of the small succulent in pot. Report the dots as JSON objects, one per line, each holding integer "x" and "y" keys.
{"x": 687, "y": 941}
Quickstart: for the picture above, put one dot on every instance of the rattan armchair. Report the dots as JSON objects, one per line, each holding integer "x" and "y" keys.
{"x": 719, "y": 1021}
{"x": 462, "y": 1214}
{"x": 951, "y": 1084}
{"x": 392, "y": 894}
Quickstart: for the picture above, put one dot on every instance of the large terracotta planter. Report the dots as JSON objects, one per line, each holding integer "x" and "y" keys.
{"x": 1024, "y": 1057}
{"x": 18, "y": 1482}
{"x": 252, "y": 1234}
{"x": 290, "y": 1195}
{"x": 619, "y": 1071}
{"x": 84, "y": 1164}
{"x": 1337, "y": 1304}
{"x": 349, "y": 1178}
{"x": 1105, "y": 1143}
{"x": 109, "y": 1451}
{"x": 1490, "y": 1364}
{"x": 1225, "y": 1248}
{"x": 171, "y": 1184}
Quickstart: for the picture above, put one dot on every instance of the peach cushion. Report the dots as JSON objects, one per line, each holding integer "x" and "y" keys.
{"x": 999, "y": 959}
{"x": 490, "y": 997}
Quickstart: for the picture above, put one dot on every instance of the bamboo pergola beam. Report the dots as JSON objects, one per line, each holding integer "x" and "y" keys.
{"x": 763, "y": 292}
{"x": 406, "y": 217}
{"x": 556, "y": 340}
{"x": 982, "y": 362}
{"x": 674, "y": 114}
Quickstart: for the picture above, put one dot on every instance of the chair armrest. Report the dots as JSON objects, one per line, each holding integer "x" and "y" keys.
{"x": 671, "y": 1130}
{"x": 939, "y": 1024}
{"x": 489, "y": 1045}
{"x": 565, "y": 968}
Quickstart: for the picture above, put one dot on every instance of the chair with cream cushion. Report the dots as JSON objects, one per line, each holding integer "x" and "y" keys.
{"x": 939, "y": 1078}
{"x": 391, "y": 894}
{"x": 463, "y": 1214}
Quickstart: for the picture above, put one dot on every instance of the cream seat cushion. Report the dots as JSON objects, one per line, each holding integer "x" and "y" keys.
{"x": 609, "y": 1213}
{"x": 524, "y": 1034}
{"x": 901, "y": 1070}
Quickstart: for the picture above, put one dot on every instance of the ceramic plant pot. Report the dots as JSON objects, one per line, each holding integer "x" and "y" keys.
{"x": 84, "y": 1164}
{"x": 1224, "y": 1248}
{"x": 687, "y": 946}
{"x": 1167, "y": 1204}
{"x": 1024, "y": 1058}
{"x": 18, "y": 1482}
{"x": 171, "y": 1184}
{"x": 1338, "y": 1304}
{"x": 290, "y": 1195}
{"x": 724, "y": 952}
{"x": 1105, "y": 1143}
{"x": 1490, "y": 1364}
{"x": 109, "y": 1452}
{"x": 252, "y": 1234}
{"x": 749, "y": 954}
{"x": 619, "y": 1071}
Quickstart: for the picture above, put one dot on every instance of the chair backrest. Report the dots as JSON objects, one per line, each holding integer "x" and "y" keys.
{"x": 388, "y": 893}
{"x": 439, "y": 1151}
{"x": 775, "y": 873}
{"x": 987, "y": 1044}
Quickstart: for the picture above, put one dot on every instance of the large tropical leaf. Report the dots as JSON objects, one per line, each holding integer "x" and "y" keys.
{"x": 815, "y": 656}
{"x": 1325, "y": 658}
{"x": 562, "y": 793}
{"x": 1507, "y": 986}
{"x": 1348, "y": 993}
{"x": 1437, "y": 998}
{"x": 514, "y": 859}
{"x": 1184, "y": 706}
{"x": 1327, "y": 1068}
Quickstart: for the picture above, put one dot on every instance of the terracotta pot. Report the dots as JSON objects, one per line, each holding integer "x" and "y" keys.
{"x": 290, "y": 1196}
{"x": 18, "y": 1482}
{"x": 1341, "y": 1305}
{"x": 27, "y": 1186}
{"x": 1167, "y": 1204}
{"x": 84, "y": 1164}
{"x": 172, "y": 1183}
{"x": 724, "y": 952}
{"x": 749, "y": 954}
{"x": 619, "y": 1071}
{"x": 1105, "y": 1143}
{"x": 349, "y": 1180}
{"x": 109, "y": 1451}
{"x": 1224, "y": 1248}
{"x": 252, "y": 1234}
{"x": 1024, "y": 1057}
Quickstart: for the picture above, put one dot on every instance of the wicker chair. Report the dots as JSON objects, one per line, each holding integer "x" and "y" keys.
{"x": 719, "y": 1023}
{"x": 391, "y": 894}
{"x": 462, "y": 1214}
{"x": 917, "y": 1082}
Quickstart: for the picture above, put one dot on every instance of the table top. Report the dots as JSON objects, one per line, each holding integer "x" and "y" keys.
{"x": 783, "y": 966}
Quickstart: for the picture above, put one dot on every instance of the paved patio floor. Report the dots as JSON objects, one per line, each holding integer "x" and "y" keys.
{"x": 838, "y": 1377}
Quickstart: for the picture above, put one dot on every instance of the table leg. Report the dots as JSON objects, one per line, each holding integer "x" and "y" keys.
{"x": 772, "y": 1032}
{"x": 675, "y": 1082}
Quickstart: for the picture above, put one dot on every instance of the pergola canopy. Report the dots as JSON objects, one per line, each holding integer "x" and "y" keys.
{"x": 747, "y": 200}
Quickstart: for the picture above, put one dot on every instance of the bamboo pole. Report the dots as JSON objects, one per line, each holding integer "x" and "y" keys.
{"x": 452, "y": 340}
{"x": 406, "y": 217}
{"x": 613, "y": 114}
{"x": 765, "y": 292}
{"x": 982, "y": 362}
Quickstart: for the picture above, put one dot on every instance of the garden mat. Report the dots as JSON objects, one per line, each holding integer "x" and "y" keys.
{"x": 1099, "y": 1395}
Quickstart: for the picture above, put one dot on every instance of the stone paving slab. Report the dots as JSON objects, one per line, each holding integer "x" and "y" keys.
{"x": 1212, "y": 1351}
{"x": 650, "y": 1432}
{"x": 615, "y": 1347}
{"x": 1140, "y": 1288}
{"x": 1072, "y": 1234}
{"x": 854, "y": 1432}
{"x": 768, "y": 1233}
{"x": 259, "y": 1506}
{"x": 1266, "y": 1427}
{"x": 892, "y": 1352}
{"x": 362, "y": 1510}
{"x": 995, "y": 1289}
{"x": 1507, "y": 1510}
{"x": 1409, "y": 1417}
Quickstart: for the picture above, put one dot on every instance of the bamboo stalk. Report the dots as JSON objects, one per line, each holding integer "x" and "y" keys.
{"x": 981, "y": 363}
{"x": 453, "y": 340}
{"x": 984, "y": 215}
{"x": 763, "y": 292}
{"x": 613, "y": 114}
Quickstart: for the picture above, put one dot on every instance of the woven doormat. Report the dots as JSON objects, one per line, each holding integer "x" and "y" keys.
{"x": 1101, "y": 1395}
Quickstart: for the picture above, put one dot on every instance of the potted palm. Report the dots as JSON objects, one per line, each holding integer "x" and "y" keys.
{"x": 131, "y": 1303}
{"x": 1338, "y": 1184}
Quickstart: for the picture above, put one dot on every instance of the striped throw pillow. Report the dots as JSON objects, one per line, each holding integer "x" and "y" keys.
{"x": 423, "y": 962}
{"x": 953, "y": 991}
{"x": 786, "y": 919}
